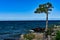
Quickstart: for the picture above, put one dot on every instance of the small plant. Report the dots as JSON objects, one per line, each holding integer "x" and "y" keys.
{"x": 57, "y": 35}
{"x": 49, "y": 31}
{"x": 29, "y": 36}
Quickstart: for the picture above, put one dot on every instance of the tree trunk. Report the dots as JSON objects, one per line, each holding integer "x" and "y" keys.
{"x": 46, "y": 36}
{"x": 46, "y": 21}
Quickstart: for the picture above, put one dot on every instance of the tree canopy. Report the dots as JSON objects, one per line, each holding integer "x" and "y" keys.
{"x": 44, "y": 8}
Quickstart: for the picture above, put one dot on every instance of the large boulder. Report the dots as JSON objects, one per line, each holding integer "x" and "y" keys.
{"x": 38, "y": 29}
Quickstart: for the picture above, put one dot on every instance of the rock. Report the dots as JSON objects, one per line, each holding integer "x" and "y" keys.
{"x": 38, "y": 29}
{"x": 31, "y": 30}
{"x": 37, "y": 36}
{"x": 22, "y": 38}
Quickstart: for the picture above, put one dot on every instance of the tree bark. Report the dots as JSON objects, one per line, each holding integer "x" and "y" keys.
{"x": 46, "y": 36}
{"x": 46, "y": 21}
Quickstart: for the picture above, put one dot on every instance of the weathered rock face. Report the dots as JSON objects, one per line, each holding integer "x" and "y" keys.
{"x": 38, "y": 36}
{"x": 38, "y": 29}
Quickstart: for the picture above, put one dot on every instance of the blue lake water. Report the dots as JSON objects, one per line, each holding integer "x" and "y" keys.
{"x": 9, "y": 29}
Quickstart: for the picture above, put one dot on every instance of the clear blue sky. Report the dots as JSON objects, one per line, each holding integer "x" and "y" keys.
{"x": 24, "y": 10}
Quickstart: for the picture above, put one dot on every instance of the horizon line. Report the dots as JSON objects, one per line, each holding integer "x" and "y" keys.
{"x": 29, "y": 20}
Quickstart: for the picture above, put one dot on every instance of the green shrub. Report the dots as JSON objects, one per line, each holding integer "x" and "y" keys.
{"x": 57, "y": 35}
{"x": 29, "y": 36}
{"x": 49, "y": 31}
